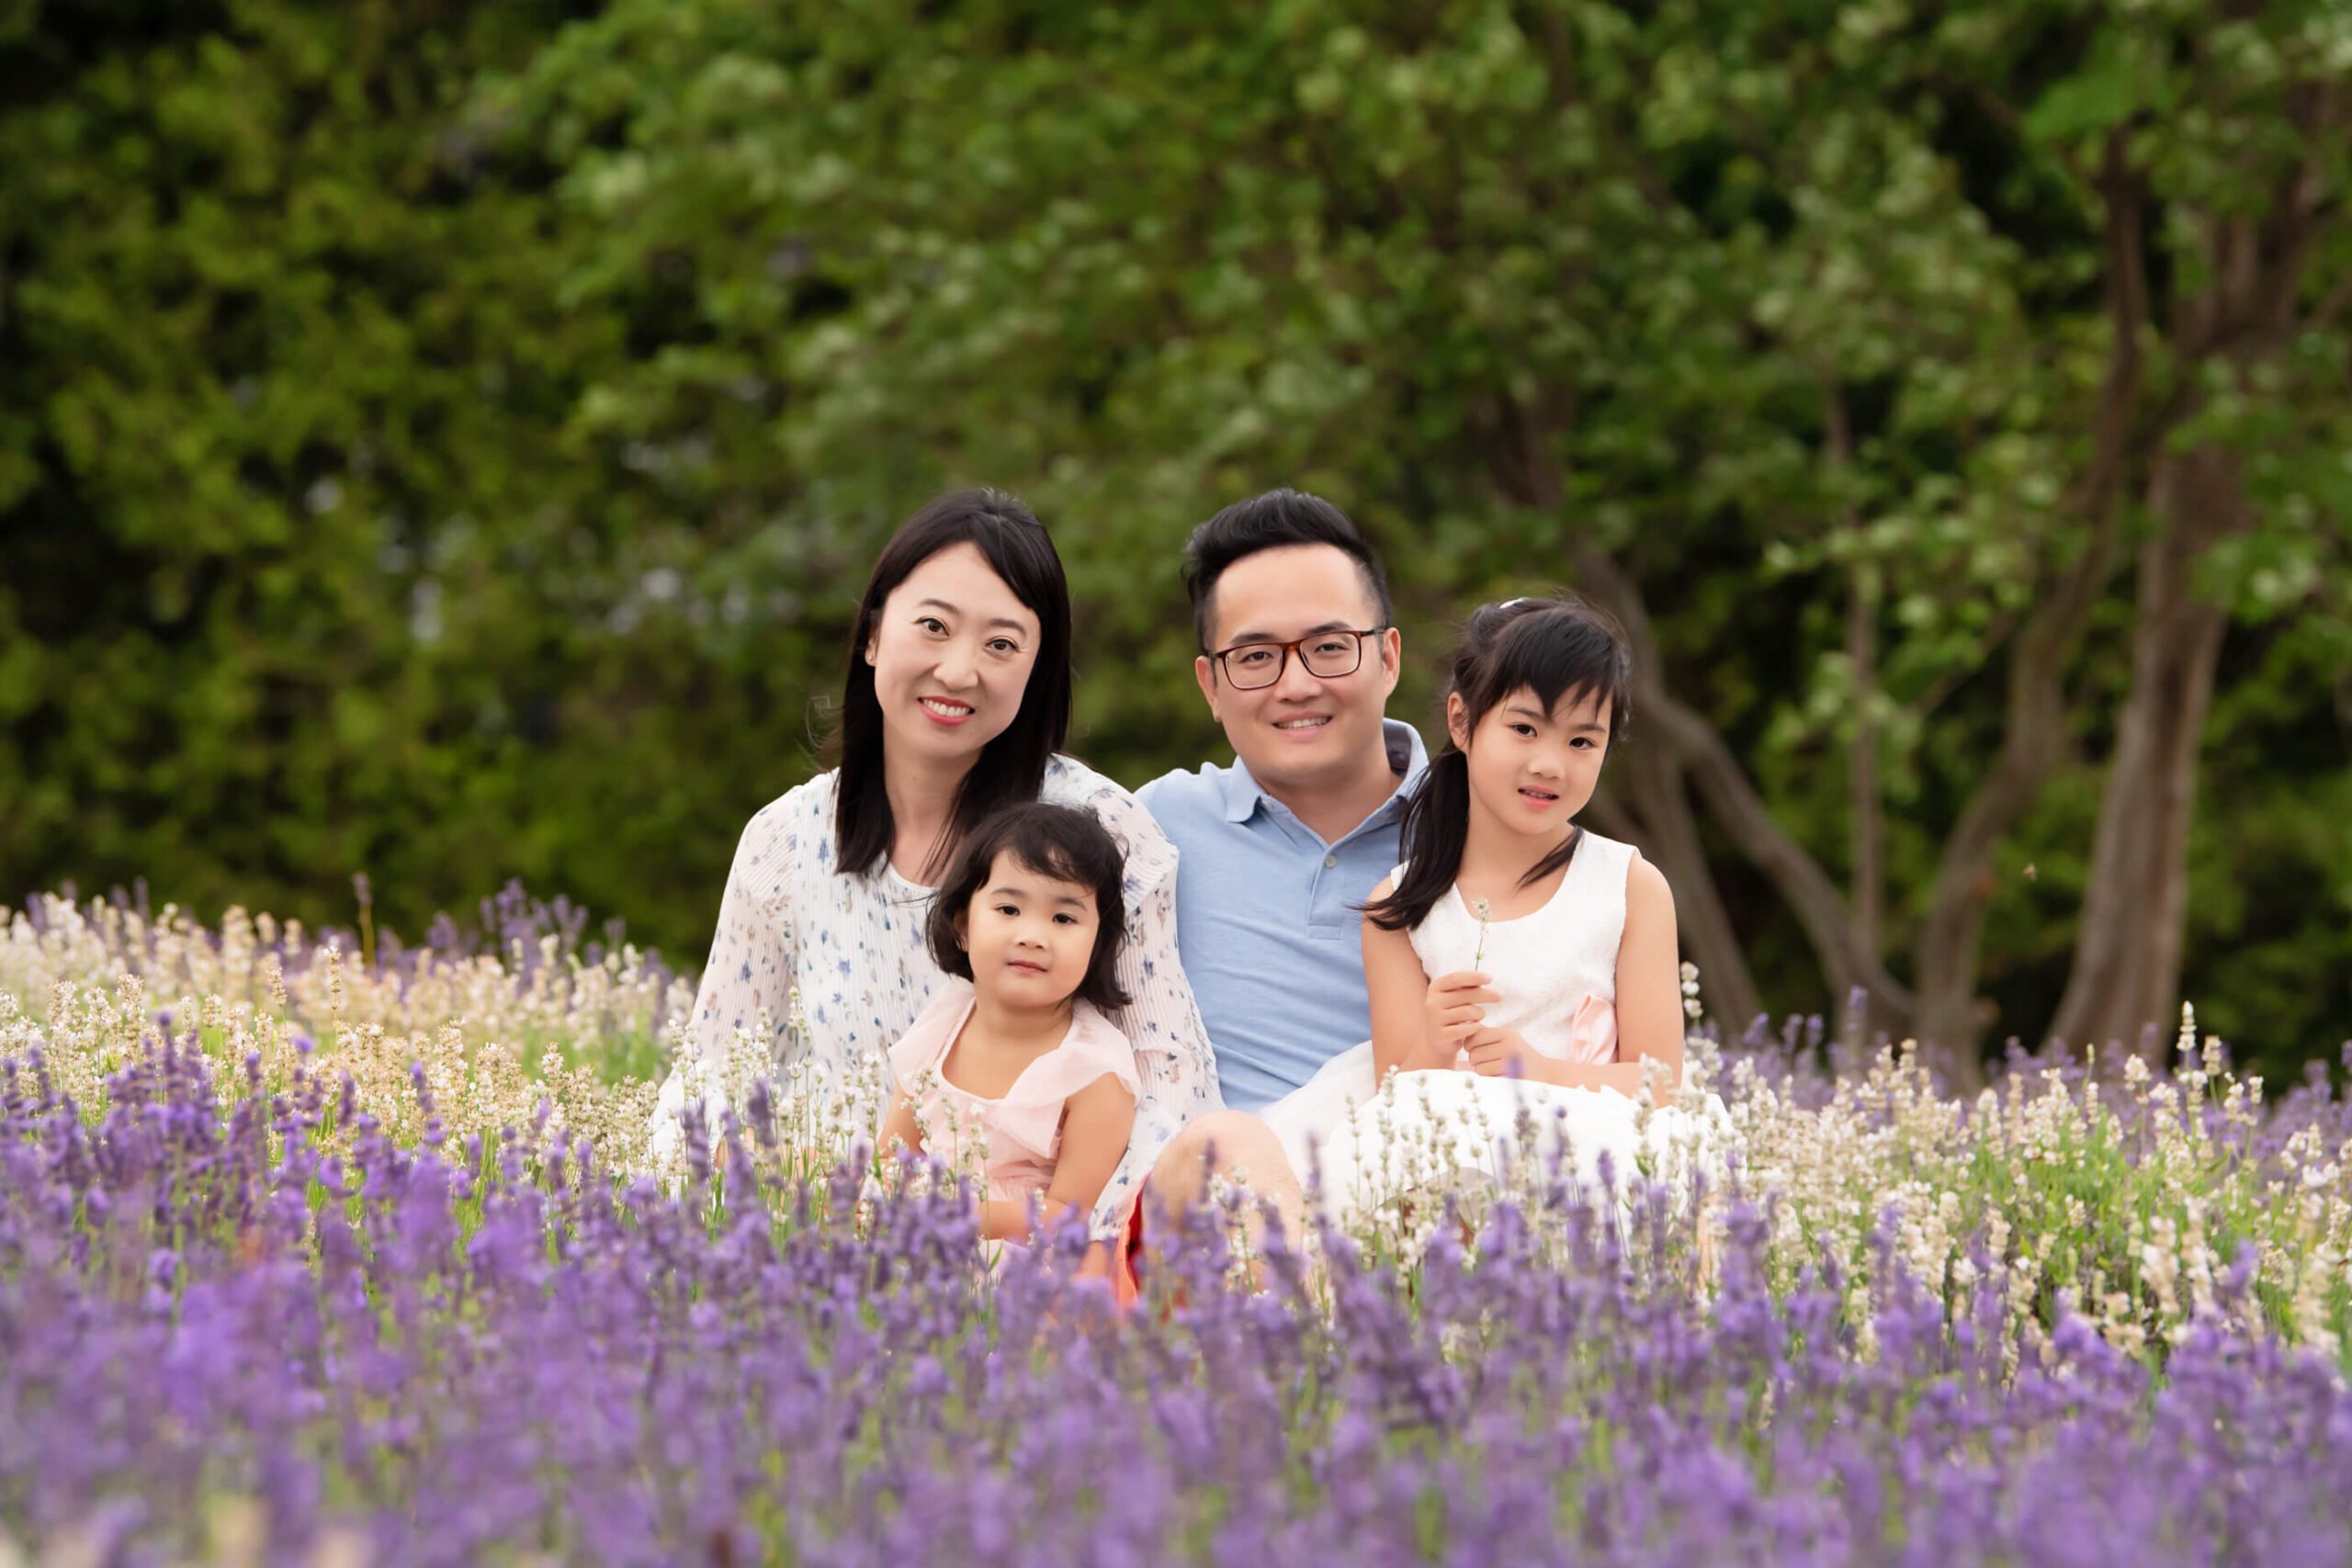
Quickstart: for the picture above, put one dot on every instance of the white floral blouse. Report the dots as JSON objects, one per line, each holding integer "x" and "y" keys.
{"x": 853, "y": 948}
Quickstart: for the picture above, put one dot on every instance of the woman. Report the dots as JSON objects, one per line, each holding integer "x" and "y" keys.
{"x": 957, "y": 701}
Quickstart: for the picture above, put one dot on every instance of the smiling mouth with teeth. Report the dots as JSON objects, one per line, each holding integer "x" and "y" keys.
{"x": 1302, "y": 723}
{"x": 946, "y": 709}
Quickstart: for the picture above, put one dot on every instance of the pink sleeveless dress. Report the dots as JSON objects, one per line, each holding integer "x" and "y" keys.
{"x": 1012, "y": 1142}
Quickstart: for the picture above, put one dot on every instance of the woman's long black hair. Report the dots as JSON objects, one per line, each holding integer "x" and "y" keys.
{"x": 1550, "y": 647}
{"x": 1011, "y": 768}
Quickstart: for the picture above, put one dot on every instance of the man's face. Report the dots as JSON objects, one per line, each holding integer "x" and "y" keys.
{"x": 1303, "y": 731}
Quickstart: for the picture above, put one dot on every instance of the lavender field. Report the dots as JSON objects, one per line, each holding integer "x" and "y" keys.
{"x": 328, "y": 1250}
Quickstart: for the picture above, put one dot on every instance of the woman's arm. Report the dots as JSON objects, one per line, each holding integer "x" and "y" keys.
{"x": 1162, "y": 1022}
{"x": 748, "y": 983}
{"x": 1097, "y": 1124}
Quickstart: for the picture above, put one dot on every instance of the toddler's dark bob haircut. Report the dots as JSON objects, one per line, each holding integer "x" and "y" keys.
{"x": 1059, "y": 841}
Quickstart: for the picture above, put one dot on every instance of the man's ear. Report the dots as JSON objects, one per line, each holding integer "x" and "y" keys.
{"x": 1204, "y": 672}
{"x": 1392, "y": 657}
{"x": 1457, "y": 724}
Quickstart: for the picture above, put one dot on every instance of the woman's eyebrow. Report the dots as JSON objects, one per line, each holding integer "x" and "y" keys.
{"x": 999, "y": 621}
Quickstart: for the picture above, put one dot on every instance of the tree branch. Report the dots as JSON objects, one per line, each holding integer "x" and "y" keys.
{"x": 1958, "y": 675}
{"x": 1868, "y": 828}
{"x": 1733, "y": 801}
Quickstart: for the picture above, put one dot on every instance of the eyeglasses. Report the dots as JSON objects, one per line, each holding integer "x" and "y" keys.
{"x": 1326, "y": 655}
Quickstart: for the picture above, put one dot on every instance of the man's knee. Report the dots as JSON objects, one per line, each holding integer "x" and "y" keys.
{"x": 1223, "y": 1142}
{"x": 1178, "y": 1173}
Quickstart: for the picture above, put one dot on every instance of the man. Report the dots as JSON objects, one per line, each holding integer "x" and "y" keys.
{"x": 1291, "y": 612}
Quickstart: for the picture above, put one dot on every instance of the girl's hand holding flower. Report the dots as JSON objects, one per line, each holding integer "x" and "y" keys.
{"x": 1455, "y": 1006}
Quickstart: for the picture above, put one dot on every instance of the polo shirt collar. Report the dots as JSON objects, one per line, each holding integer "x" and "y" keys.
{"x": 1407, "y": 755}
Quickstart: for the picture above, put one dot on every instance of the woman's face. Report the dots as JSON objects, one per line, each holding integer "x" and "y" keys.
{"x": 950, "y": 649}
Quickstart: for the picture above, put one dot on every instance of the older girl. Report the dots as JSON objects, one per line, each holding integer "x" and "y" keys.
{"x": 1517, "y": 961}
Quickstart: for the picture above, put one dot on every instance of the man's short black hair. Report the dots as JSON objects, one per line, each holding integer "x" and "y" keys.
{"x": 1067, "y": 843}
{"x": 1276, "y": 520}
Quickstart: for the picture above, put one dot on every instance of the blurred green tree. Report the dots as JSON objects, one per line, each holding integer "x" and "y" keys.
{"x": 1952, "y": 402}
{"x": 308, "y": 565}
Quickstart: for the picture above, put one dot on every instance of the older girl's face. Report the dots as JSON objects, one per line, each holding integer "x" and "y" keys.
{"x": 1533, "y": 769}
{"x": 951, "y": 650}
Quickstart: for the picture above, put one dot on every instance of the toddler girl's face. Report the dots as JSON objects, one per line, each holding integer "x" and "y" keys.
{"x": 1029, "y": 936}
{"x": 1532, "y": 770}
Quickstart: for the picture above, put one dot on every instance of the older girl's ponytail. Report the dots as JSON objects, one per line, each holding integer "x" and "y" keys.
{"x": 1436, "y": 825}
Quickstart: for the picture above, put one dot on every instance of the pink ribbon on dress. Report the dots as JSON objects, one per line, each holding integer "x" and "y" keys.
{"x": 1592, "y": 1033}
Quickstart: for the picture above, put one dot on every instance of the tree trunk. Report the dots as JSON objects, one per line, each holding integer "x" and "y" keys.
{"x": 1867, "y": 829}
{"x": 1869, "y": 878}
{"x": 2127, "y": 958}
{"x": 1949, "y": 1018}
{"x": 2135, "y": 913}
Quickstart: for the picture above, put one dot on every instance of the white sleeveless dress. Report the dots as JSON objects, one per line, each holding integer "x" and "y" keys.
{"x": 1366, "y": 1142}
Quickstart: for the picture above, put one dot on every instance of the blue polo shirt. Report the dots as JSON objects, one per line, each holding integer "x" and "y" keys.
{"x": 1266, "y": 921}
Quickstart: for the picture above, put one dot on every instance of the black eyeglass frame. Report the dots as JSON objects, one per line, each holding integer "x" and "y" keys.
{"x": 1287, "y": 650}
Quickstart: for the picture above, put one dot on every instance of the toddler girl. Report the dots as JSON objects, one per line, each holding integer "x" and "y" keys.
{"x": 1012, "y": 1069}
